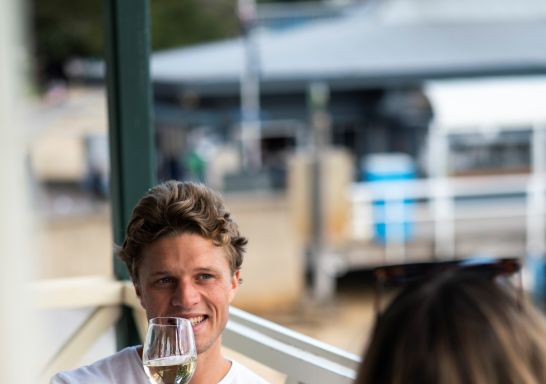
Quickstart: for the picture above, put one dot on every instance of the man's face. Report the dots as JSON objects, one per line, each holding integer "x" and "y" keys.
{"x": 188, "y": 276}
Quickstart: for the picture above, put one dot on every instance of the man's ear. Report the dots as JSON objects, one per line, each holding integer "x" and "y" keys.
{"x": 235, "y": 279}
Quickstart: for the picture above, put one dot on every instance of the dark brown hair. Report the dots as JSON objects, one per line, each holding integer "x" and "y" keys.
{"x": 454, "y": 329}
{"x": 174, "y": 208}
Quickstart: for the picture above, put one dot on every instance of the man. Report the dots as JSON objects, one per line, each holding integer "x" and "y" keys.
{"x": 184, "y": 254}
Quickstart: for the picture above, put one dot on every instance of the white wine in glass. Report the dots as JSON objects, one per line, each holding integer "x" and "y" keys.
{"x": 169, "y": 355}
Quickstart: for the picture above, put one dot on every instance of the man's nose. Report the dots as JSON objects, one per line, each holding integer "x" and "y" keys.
{"x": 186, "y": 295}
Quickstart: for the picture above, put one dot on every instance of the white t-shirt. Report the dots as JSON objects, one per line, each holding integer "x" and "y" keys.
{"x": 125, "y": 367}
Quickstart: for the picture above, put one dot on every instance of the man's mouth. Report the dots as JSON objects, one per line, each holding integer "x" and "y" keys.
{"x": 197, "y": 320}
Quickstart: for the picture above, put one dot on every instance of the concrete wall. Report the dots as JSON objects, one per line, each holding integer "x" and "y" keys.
{"x": 75, "y": 246}
{"x": 336, "y": 178}
{"x": 274, "y": 264}
{"x": 278, "y": 225}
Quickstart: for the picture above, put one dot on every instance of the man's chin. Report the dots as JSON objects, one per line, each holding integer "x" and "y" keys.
{"x": 204, "y": 346}
{"x": 203, "y": 349}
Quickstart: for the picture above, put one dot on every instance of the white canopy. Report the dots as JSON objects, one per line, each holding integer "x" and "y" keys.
{"x": 488, "y": 104}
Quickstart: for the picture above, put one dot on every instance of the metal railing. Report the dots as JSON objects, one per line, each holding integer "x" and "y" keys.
{"x": 302, "y": 359}
{"x": 446, "y": 206}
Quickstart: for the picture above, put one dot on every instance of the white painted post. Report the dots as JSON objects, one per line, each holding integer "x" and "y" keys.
{"x": 17, "y": 326}
{"x": 536, "y": 204}
{"x": 442, "y": 199}
{"x": 324, "y": 277}
{"x": 443, "y": 218}
{"x": 250, "y": 88}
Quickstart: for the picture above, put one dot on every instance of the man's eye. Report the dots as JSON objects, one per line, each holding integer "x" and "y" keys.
{"x": 205, "y": 276}
{"x": 165, "y": 280}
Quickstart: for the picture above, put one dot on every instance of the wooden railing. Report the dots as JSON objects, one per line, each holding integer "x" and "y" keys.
{"x": 302, "y": 359}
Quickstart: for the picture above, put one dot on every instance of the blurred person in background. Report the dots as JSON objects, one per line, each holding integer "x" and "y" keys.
{"x": 184, "y": 253}
{"x": 455, "y": 328}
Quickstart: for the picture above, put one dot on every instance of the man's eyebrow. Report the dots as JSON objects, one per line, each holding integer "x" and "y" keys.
{"x": 159, "y": 273}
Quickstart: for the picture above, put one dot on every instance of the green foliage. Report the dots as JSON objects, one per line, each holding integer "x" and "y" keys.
{"x": 63, "y": 29}
{"x": 178, "y": 23}
{"x": 284, "y": 1}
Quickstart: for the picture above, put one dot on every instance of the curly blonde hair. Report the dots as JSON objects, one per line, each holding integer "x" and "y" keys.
{"x": 174, "y": 208}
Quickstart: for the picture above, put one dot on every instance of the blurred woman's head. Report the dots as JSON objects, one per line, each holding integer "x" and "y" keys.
{"x": 456, "y": 328}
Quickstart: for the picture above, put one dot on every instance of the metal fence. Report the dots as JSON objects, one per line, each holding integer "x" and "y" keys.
{"x": 450, "y": 213}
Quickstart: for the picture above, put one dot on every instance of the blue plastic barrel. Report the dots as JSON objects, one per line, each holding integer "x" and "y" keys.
{"x": 390, "y": 167}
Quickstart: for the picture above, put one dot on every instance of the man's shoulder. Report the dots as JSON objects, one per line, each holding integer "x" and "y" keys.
{"x": 239, "y": 374}
{"x": 122, "y": 365}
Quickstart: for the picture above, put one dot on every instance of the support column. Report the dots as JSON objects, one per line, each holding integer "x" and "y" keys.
{"x": 536, "y": 204}
{"x": 536, "y": 211}
{"x": 250, "y": 89}
{"x": 19, "y": 326}
{"x": 130, "y": 124}
{"x": 442, "y": 200}
{"x": 323, "y": 276}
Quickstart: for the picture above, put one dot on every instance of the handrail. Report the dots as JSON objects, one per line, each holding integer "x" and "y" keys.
{"x": 438, "y": 211}
{"x": 300, "y": 365}
{"x": 303, "y": 359}
{"x": 296, "y": 339}
{"x": 435, "y": 200}
{"x": 78, "y": 292}
{"x": 424, "y": 188}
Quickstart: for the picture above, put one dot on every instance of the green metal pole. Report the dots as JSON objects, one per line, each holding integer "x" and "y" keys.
{"x": 130, "y": 124}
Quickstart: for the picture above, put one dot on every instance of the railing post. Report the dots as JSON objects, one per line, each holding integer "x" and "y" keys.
{"x": 130, "y": 123}
{"x": 536, "y": 210}
{"x": 443, "y": 200}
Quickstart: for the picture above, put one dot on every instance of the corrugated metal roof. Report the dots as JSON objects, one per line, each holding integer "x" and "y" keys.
{"x": 368, "y": 44}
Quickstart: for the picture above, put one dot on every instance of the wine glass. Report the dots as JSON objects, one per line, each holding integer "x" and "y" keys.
{"x": 169, "y": 354}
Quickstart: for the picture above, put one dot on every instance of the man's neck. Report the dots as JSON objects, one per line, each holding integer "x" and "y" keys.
{"x": 211, "y": 366}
